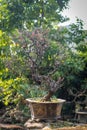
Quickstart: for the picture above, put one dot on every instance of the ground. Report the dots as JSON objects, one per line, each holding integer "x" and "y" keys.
{"x": 13, "y": 119}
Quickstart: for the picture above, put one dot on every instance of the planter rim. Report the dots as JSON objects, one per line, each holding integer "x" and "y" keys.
{"x": 32, "y": 100}
{"x": 82, "y": 112}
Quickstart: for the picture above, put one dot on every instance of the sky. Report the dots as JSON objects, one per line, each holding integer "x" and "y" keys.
{"x": 77, "y": 8}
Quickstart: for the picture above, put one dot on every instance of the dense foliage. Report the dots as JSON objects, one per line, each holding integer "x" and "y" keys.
{"x": 28, "y": 13}
{"x": 63, "y": 48}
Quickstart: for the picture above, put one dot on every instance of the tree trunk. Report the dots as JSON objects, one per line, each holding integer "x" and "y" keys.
{"x": 48, "y": 96}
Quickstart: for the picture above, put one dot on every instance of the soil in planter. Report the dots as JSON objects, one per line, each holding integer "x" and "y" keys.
{"x": 53, "y": 100}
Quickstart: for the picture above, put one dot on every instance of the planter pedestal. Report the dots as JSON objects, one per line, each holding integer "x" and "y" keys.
{"x": 45, "y": 110}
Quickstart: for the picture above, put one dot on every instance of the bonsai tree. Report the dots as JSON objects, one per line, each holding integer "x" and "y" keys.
{"x": 40, "y": 58}
{"x": 44, "y": 60}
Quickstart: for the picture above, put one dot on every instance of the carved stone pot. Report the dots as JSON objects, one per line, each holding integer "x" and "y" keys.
{"x": 45, "y": 110}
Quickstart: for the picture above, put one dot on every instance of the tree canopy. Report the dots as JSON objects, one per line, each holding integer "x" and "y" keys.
{"x": 27, "y": 13}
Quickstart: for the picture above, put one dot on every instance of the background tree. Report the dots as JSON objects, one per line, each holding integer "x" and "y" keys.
{"x": 75, "y": 37}
{"x": 28, "y": 13}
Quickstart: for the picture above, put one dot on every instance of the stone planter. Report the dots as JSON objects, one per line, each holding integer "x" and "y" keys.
{"x": 45, "y": 110}
{"x": 82, "y": 116}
